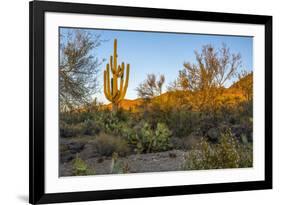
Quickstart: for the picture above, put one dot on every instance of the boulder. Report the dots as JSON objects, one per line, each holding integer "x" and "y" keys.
{"x": 213, "y": 134}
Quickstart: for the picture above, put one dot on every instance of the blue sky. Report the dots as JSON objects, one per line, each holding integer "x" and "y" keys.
{"x": 161, "y": 53}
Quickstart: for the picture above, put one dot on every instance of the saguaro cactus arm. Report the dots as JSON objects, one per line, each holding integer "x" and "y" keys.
{"x": 106, "y": 84}
{"x": 124, "y": 88}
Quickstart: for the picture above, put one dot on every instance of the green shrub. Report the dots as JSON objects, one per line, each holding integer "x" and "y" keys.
{"x": 190, "y": 141}
{"x": 80, "y": 167}
{"x": 87, "y": 127}
{"x": 182, "y": 122}
{"x": 227, "y": 153}
{"x": 70, "y": 130}
{"x": 109, "y": 122}
{"x": 148, "y": 140}
{"x": 75, "y": 117}
{"x": 106, "y": 145}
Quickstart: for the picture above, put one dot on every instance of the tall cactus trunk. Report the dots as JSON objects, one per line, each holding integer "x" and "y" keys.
{"x": 111, "y": 90}
{"x": 114, "y": 107}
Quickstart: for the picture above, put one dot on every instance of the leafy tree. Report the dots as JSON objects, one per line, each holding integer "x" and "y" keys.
{"x": 206, "y": 79}
{"x": 151, "y": 86}
{"x": 78, "y": 68}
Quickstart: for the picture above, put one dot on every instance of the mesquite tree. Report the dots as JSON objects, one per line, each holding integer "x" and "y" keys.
{"x": 151, "y": 86}
{"x": 78, "y": 68}
{"x": 206, "y": 78}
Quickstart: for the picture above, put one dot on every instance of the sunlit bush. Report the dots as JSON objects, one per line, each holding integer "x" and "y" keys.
{"x": 227, "y": 153}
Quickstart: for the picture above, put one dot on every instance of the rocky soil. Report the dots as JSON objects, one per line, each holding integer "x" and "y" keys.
{"x": 136, "y": 163}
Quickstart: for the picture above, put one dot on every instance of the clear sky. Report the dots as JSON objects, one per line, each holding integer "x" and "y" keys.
{"x": 161, "y": 53}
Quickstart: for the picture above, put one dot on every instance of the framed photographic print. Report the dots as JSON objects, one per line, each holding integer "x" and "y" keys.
{"x": 140, "y": 102}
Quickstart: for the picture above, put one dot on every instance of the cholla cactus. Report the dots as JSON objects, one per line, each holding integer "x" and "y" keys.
{"x": 111, "y": 90}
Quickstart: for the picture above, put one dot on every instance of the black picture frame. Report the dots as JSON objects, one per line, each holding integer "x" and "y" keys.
{"x": 37, "y": 9}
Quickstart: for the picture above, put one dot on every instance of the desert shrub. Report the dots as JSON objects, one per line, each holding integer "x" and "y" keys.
{"x": 88, "y": 127}
{"x": 148, "y": 140}
{"x": 246, "y": 155}
{"x": 190, "y": 141}
{"x": 70, "y": 130}
{"x": 74, "y": 117}
{"x": 183, "y": 122}
{"x": 122, "y": 115}
{"x": 113, "y": 123}
{"x": 153, "y": 114}
{"x": 185, "y": 143}
{"x": 73, "y": 124}
{"x": 239, "y": 114}
{"x": 247, "y": 108}
{"x": 80, "y": 167}
{"x": 106, "y": 145}
{"x": 109, "y": 122}
{"x": 227, "y": 153}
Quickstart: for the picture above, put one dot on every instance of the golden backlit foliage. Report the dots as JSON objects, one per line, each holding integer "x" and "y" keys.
{"x": 200, "y": 100}
{"x": 205, "y": 81}
{"x": 240, "y": 91}
{"x": 245, "y": 84}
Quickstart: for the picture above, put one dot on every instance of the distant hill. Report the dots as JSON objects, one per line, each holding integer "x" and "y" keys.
{"x": 246, "y": 80}
{"x": 230, "y": 96}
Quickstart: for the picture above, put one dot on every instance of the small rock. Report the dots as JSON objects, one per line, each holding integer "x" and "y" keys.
{"x": 213, "y": 134}
{"x": 172, "y": 155}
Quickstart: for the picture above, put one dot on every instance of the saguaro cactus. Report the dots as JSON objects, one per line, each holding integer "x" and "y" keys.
{"x": 111, "y": 90}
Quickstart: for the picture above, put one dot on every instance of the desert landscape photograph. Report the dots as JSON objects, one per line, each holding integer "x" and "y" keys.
{"x": 142, "y": 101}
